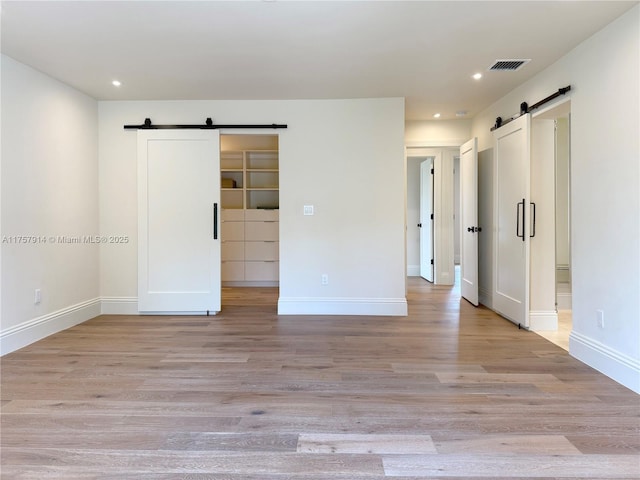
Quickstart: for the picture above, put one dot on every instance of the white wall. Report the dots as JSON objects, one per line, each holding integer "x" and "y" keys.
{"x": 604, "y": 75}
{"x": 49, "y": 189}
{"x": 437, "y": 133}
{"x": 345, "y": 157}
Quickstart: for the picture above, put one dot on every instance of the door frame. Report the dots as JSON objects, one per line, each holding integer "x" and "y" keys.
{"x": 238, "y": 132}
{"x": 548, "y": 319}
{"x": 444, "y": 246}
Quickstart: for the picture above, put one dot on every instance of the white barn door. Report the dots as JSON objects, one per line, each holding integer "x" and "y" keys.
{"x": 469, "y": 220}
{"x": 512, "y": 196}
{"x": 178, "y": 221}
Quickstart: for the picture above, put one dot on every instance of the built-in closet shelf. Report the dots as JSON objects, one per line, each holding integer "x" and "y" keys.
{"x": 250, "y": 179}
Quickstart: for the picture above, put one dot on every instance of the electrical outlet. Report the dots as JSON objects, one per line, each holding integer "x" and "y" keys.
{"x": 37, "y": 296}
{"x": 600, "y": 318}
{"x": 324, "y": 279}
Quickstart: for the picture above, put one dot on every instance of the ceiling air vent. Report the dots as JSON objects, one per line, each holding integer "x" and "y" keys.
{"x": 508, "y": 65}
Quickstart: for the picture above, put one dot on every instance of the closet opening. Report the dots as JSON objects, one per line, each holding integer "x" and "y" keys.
{"x": 250, "y": 201}
{"x": 560, "y": 119}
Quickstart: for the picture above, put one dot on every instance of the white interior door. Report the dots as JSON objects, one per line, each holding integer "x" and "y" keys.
{"x": 469, "y": 221}
{"x": 512, "y": 194}
{"x": 178, "y": 221}
{"x": 426, "y": 220}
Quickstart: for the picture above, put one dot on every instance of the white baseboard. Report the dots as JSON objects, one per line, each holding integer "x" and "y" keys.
{"x": 342, "y": 306}
{"x": 543, "y": 320}
{"x": 621, "y": 368}
{"x": 413, "y": 270}
{"x": 119, "y": 305}
{"x": 38, "y": 328}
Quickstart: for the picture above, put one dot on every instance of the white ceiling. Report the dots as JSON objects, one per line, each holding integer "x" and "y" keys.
{"x": 425, "y": 51}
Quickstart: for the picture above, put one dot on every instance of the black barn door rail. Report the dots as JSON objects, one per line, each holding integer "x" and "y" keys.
{"x": 208, "y": 125}
{"x": 524, "y": 108}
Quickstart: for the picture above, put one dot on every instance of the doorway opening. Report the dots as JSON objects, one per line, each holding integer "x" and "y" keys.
{"x": 561, "y": 117}
{"x": 250, "y": 200}
{"x": 430, "y": 213}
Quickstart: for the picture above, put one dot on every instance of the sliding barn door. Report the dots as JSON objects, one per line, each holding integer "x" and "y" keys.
{"x": 469, "y": 220}
{"x": 511, "y": 187}
{"x": 178, "y": 215}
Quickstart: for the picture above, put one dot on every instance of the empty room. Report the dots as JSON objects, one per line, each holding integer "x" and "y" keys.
{"x": 320, "y": 240}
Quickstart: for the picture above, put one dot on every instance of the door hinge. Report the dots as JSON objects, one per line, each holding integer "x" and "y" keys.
{"x": 432, "y": 216}
{"x": 432, "y": 261}
{"x": 432, "y": 171}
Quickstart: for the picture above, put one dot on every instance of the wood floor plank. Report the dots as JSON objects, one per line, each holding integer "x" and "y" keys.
{"x": 507, "y": 444}
{"x": 231, "y": 442}
{"x": 448, "y": 392}
{"x": 499, "y": 466}
{"x": 365, "y": 443}
{"x": 132, "y": 462}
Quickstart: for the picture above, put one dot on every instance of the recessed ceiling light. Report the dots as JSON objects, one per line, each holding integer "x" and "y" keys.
{"x": 436, "y": 115}
{"x": 477, "y": 76}
{"x": 116, "y": 83}
{"x": 461, "y": 113}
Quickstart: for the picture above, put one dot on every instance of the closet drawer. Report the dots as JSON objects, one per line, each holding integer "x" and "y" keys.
{"x": 232, "y": 215}
{"x": 261, "y": 271}
{"x": 261, "y": 250}
{"x": 257, "y": 231}
{"x": 232, "y": 231}
{"x": 233, "y": 251}
{"x": 259, "y": 215}
{"x": 232, "y": 271}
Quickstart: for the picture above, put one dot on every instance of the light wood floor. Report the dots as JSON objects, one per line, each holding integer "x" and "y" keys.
{"x": 448, "y": 392}
{"x": 560, "y": 336}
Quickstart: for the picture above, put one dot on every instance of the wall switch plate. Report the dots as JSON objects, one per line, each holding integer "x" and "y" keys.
{"x": 37, "y": 296}
{"x": 600, "y": 318}
{"x": 308, "y": 210}
{"x": 324, "y": 279}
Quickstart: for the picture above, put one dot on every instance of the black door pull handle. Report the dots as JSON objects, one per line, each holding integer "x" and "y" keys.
{"x": 518, "y": 219}
{"x": 215, "y": 221}
{"x": 533, "y": 217}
